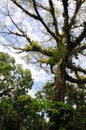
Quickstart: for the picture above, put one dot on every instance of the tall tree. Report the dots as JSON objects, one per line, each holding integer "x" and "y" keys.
{"x": 61, "y": 32}
{"x": 61, "y": 39}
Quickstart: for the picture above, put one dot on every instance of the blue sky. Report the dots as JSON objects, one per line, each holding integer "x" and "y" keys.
{"x": 38, "y": 74}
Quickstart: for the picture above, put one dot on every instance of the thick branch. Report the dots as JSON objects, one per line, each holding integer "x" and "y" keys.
{"x": 72, "y": 20}
{"x": 44, "y": 52}
{"x": 73, "y": 80}
{"x": 42, "y": 21}
{"x": 52, "y": 10}
{"x": 66, "y": 24}
{"x": 31, "y": 49}
{"x": 78, "y": 50}
{"x": 74, "y": 68}
{"x": 27, "y": 12}
{"x": 36, "y": 17}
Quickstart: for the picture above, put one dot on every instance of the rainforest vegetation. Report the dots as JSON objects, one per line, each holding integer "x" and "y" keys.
{"x": 52, "y": 36}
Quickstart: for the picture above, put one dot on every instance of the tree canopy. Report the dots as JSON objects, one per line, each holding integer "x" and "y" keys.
{"x": 53, "y": 35}
{"x": 14, "y": 81}
{"x": 61, "y": 37}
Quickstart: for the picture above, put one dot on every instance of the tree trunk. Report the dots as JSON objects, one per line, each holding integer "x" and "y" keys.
{"x": 60, "y": 84}
{"x": 59, "y": 94}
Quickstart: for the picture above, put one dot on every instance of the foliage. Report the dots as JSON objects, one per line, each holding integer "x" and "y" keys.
{"x": 76, "y": 97}
{"x": 58, "y": 32}
{"x": 71, "y": 114}
{"x": 58, "y": 54}
{"x": 14, "y": 81}
{"x": 57, "y": 41}
{"x": 18, "y": 110}
{"x": 14, "y": 87}
{"x": 62, "y": 115}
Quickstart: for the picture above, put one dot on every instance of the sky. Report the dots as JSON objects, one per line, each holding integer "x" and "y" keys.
{"x": 38, "y": 74}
